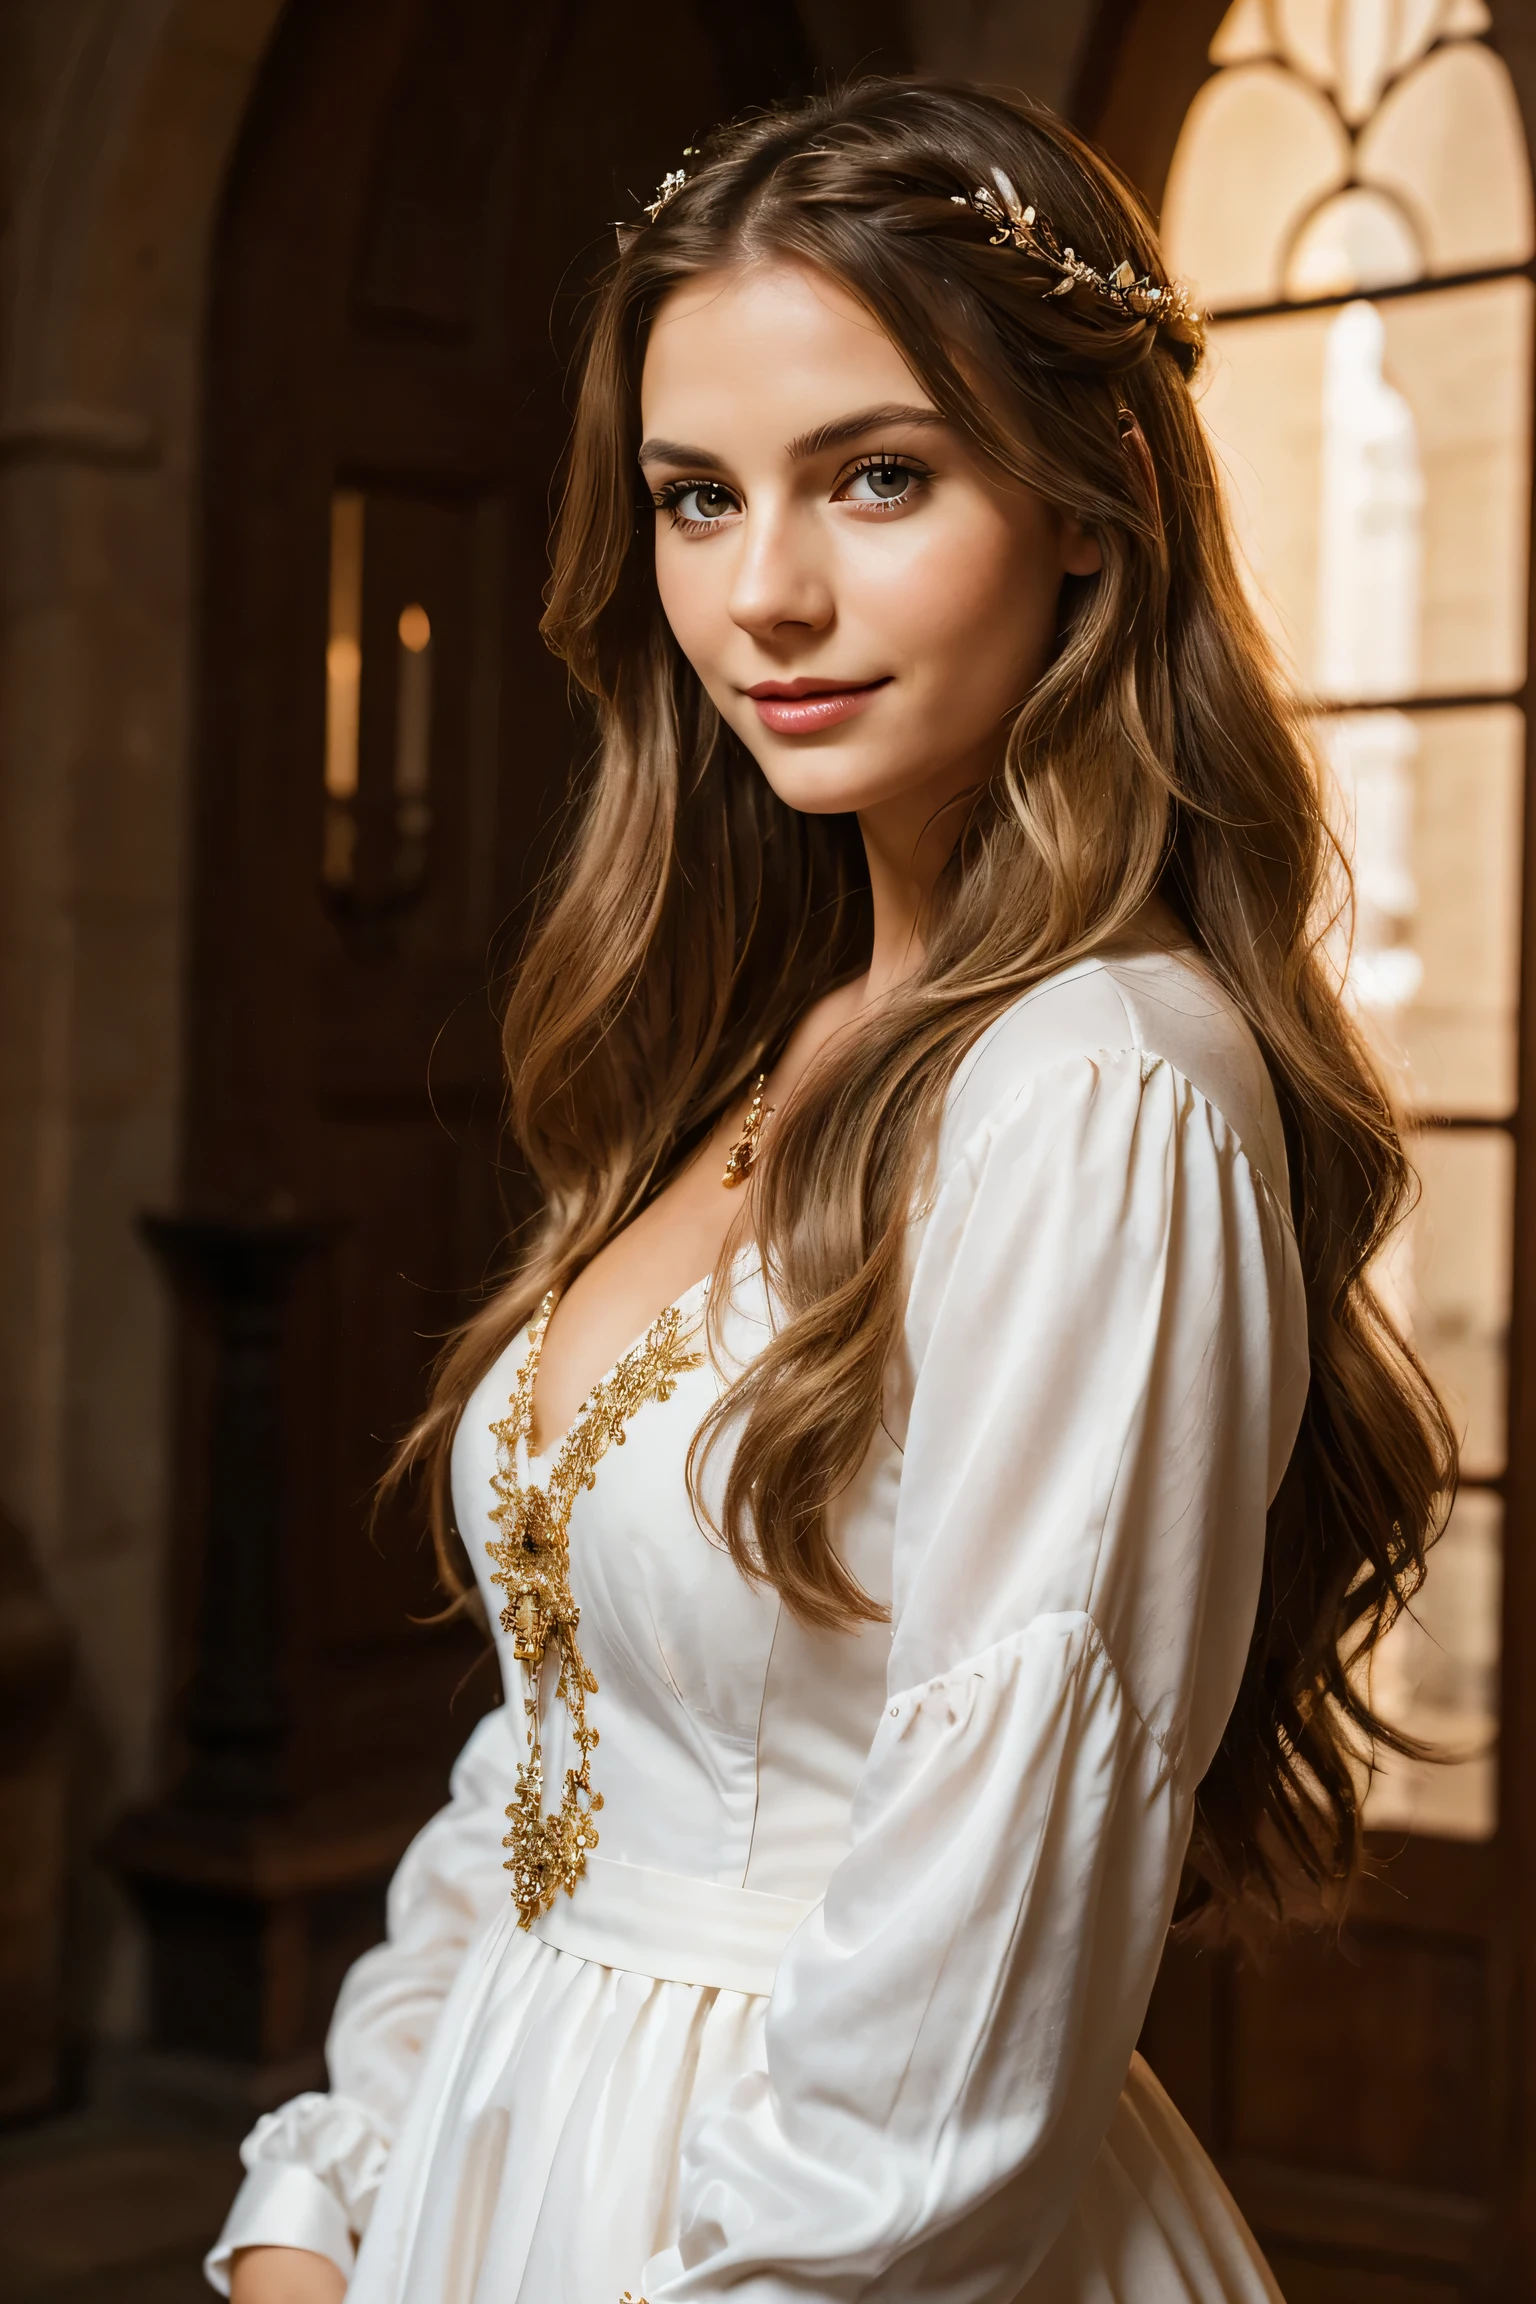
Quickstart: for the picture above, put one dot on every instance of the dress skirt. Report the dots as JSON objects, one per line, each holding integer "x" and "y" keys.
{"x": 540, "y": 2162}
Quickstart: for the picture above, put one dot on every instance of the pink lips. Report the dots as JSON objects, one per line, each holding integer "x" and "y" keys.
{"x": 801, "y": 707}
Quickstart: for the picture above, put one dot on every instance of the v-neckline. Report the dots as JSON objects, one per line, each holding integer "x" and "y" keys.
{"x": 548, "y": 1456}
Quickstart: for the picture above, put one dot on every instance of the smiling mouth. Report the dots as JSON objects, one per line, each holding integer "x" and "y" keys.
{"x": 801, "y": 707}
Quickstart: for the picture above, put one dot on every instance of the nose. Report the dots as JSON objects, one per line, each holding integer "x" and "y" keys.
{"x": 780, "y": 585}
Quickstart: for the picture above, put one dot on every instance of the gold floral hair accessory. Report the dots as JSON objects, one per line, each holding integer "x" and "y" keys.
{"x": 1133, "y": 296}
{"x": 670, "y": 185}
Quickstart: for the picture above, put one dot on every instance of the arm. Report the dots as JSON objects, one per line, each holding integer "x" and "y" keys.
{"x": 284, "y": 2276}
{"x": 314, "y": 2166}
{"x": 1097, "y": 1424}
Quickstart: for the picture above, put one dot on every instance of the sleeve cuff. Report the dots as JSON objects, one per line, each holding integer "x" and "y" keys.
{"x": 282, "y": 2206}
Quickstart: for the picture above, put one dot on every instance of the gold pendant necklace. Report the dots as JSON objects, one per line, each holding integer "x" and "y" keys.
{"x": 533, "y": 1567}
{"x": 738, "y": 1161}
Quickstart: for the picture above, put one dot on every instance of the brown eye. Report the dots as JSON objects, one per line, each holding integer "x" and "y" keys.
{"x": 699, "y": 504}
{"x": 882, "y": 483}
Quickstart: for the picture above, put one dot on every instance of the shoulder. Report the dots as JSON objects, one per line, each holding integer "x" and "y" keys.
{"x": 1145, "y": 1002}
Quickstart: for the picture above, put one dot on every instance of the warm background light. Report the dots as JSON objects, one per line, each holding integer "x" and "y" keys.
{"x": 343, "y": 670}
{"x": 1364, "y": 160}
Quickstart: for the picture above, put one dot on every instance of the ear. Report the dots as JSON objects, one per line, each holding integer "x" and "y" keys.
{"x": 1080, "y": 553}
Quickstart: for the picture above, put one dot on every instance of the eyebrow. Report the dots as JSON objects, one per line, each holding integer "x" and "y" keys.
{"x": 837, "y": 434}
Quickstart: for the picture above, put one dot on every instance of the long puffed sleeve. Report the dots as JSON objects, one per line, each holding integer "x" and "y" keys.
{"x": 1105, "y": 1366}
{"x": 314, "y": 2166}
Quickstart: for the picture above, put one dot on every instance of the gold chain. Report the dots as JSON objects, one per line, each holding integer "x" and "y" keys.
{"x": 533, "y": 1563}
{"x": 739, "y": 1159}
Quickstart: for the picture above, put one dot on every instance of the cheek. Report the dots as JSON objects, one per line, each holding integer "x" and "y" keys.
{"x": 963, "y": 599}
{"x": 692, "y": 595}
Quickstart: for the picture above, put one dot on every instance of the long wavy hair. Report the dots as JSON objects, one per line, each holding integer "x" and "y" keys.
{"x": 697, "y": 916}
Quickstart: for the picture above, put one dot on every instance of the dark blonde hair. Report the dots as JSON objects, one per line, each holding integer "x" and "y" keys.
{"x": 698, "y": 916}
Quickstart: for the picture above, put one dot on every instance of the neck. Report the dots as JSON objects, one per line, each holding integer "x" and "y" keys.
{"x": 907, "y": 843}
{"x": 906, "y": 851}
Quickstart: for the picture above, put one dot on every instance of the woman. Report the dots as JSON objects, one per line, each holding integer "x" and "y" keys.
{"x": 936, "y": 969}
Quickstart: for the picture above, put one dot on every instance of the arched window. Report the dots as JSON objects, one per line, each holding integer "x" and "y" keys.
{"x": 1351, "y": 195}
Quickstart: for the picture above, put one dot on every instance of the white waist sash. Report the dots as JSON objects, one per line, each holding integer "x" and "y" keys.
{"x": 665, "y": 1925}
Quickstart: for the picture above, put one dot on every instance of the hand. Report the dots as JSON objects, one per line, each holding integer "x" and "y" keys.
{"x": 284, "y": 2276}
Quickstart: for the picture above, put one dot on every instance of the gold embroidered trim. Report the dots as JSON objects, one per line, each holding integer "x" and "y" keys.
{"x": 533, "y": 1559}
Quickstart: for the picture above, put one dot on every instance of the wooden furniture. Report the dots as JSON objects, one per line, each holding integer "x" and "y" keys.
{"x": 254, "y": 1902}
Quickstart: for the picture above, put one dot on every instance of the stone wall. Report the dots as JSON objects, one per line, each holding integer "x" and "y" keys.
{"x": 122, "y": 117}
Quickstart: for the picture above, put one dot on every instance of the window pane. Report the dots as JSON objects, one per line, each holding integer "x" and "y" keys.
{"x": 1306, "y": 34}
{"x": 1353, "y": 47}
{"x": 1451, "y": 1271}
{"x": 1436, "y": 1675}
{"x": 1244, "y": 34}
{"x": 1257, "y": 153}
{"x": 1378, "y": 458}
{"x": 1449, "y": 142}
{"x": 1461, "y": 1029}
{"x": 1373, "y": 39}
{"x": 1429, "y": 808}
{"x": 1417, "y": 23}
{"x": 1263, "y": 406}
{"x": 1462, "y": 360}
{"x": 1358, "y": 239}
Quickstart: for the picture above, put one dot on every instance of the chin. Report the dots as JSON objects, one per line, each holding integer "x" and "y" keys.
{"x": 816, "y": 782}
{"x": 811, "y": 794}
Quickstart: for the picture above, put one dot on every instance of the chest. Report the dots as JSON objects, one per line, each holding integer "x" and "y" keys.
{"x": 598, "y": 1542}
{"x": 683, "y": 1646}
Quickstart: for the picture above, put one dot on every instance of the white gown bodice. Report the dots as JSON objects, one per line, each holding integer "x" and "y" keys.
{"x": 732, "y": 1736}
{"x": 953, "y": 1838}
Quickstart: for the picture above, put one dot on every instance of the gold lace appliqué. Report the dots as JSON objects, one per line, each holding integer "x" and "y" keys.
{"x": 533, "y": 1559}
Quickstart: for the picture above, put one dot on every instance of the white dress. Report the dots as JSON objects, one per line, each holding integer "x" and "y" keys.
{"x": 846, "y": 2004}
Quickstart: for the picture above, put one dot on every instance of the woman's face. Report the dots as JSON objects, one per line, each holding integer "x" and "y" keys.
{"x": 864, "y": 597}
